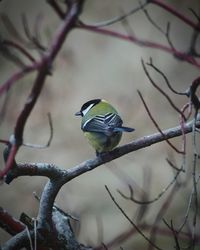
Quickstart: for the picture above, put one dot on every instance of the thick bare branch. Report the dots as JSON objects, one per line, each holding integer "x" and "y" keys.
{"x": 51, "y": 171}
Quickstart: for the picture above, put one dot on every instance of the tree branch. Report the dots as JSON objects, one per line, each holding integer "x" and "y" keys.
{"x": 135, "y": 145}
{"x": 45, "y": 64}
{"x": 9, "y": 223}
{"x": 174, "y": 12}
{"x": 142, "y": 42}
{"x": 51, "y": 171}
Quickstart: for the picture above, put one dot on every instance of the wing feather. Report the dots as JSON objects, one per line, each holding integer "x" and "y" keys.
{"x": 103, "y": 123}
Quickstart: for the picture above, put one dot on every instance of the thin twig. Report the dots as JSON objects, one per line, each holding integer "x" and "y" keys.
{"x": 12, "y": 30}
{"x": 195, "y": 35}
{"x": 156, "y": 124}
{"x": 49, "y": 140}
{"x": 29, "y": 237}
{"x": 194, "y": 180}
{"x": 131, "y": 222}
{"x": 35, "y": 233}
{"x": 174, "y": 232}
{"x": 195, "y": 14}
{"x": 181, "y": 112}
{"x": 147, "y": 202}
{"x": 4, "y": 141}
{"x": 141, "y": 42}
{"x": 151, "y": 20}
{"x": 18, "y": 75}
{"x": 56, "y": 8}
{"x": 162, "y": 211}
{"x": 4, "y": 106}
{"x": 158, "y": 88}
{"x": 116, "y": 19}
{"x": 174, "y": 166}
{"x": 10, "y": 55}
{"x": 174, "y": 12}
{"x": 32, "y": 38}
{"x": 187, "y": 212}
{"x": 20, "y": 48}
{"x": 166, "y": 80}
{"x": 165, "y": 33}
{"x": 10, "y": 160}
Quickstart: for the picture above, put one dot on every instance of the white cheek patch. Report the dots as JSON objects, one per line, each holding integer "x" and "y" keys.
{"x": 87, "y": 109}
{"x": 104, "y": 101}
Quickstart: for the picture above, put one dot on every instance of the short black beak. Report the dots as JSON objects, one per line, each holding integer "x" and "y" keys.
{"x": 78, "y": 113}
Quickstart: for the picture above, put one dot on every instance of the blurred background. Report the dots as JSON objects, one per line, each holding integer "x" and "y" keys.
{"x": 97, "y": 66}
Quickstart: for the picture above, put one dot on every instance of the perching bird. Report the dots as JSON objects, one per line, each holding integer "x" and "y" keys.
{"x": 102, "y": 125}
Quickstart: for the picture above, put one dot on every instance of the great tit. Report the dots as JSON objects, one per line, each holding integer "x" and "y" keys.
{"x": 102, "y": 125}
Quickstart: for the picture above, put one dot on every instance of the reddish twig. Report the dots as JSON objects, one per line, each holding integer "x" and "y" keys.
{"x": 43, "y": 71}
{"x": 142, "y": 42}
{"x": 174, "y": 12}
{"x": 9, "y": 223}
{"x": 43, "y": 68}
{"x": 4, "y": 141}
{"x": 20, "y": 48}
{"x": 46, "y": 62}
{"x": 18, "y": 75}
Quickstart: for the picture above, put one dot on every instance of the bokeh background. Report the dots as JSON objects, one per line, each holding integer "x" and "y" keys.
{"x": 97, "y": 66}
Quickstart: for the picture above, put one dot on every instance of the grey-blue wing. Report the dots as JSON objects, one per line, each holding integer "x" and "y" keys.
{"x": 103, "y": 124}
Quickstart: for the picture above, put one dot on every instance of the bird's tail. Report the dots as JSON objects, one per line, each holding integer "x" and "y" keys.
{"x": 123, "y": 129}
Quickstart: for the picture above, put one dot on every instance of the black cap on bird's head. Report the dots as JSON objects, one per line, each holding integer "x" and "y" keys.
{"x": 87, "y": 106}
